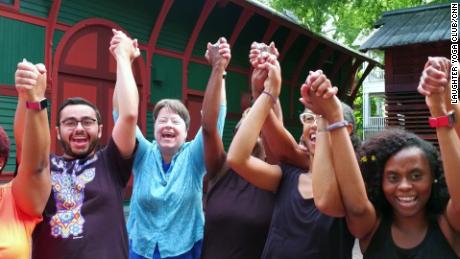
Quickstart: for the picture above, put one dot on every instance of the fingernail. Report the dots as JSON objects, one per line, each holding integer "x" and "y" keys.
{"x": 24, "y": 60}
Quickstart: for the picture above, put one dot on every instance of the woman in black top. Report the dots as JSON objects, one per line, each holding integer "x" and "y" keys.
{"x": 406, "y": 212}
{"x": 237, "y": 214}
{"x": 298, "y": 228}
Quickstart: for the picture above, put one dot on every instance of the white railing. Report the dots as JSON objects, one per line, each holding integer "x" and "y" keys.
{"x": 372, "y": 126}
{"x": 378, "y": 122}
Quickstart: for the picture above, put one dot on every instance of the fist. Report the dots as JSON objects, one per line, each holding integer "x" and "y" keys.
{"x": 30, "y": 80}
{"x": 219, "y": 53}
{"x": 121, "y": 46}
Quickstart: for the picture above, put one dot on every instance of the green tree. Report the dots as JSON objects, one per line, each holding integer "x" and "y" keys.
{"x": 349, "y": 18}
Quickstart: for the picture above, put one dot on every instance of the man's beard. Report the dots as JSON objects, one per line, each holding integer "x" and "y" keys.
{"x": 68, "y": 150}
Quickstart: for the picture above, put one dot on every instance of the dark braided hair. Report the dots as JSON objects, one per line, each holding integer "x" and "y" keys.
{"x": 374, "y": 155}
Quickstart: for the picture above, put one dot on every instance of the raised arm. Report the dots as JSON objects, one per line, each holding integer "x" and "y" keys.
{"x": 278, "y": 142}
{"x": 125, "y": 51}
{"x": 326, "y": 191}
{"x": 32, "y": 186}
{"x": 435, "y": 77}
{"x": 437, "y": 80}
{"x": 254, "y": 170}
{"x": 360, "y": 213}
{"x": 218, "y": 56}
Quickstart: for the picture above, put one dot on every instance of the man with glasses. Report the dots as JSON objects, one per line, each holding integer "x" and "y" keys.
{"x": 84, "y": 215}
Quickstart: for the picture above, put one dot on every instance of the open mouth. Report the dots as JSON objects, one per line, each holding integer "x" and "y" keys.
{"x": 168, "y": 135}
{"x": 313, "y": 138}
{"x": 407, "y": 201}
{"x": 79, "y": 142}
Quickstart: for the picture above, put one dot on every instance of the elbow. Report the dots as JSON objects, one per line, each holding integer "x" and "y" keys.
{"x": 331, "y": 209}
{"x": 357, "y": 210}
{"x": 129, "y": 118}
{"x": 234, "y": 161}
{"x": 208, "y": 126}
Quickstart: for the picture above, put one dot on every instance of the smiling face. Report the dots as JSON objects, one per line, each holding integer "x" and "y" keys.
{"x": 170, "y": 131}
{"x": 308, "y": 120}
{"x": 78, "y": 131}
{"x": 406, "y": 183}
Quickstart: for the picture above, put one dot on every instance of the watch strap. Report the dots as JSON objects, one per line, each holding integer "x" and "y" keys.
{"x": 38, "y": 106}
{"x": 443, "y": 121}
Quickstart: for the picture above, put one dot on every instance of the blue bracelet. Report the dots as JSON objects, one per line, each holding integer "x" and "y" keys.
{"x": 337, "y": 125}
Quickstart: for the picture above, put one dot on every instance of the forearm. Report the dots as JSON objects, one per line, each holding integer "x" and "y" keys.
{"x": 278, "y": 111}
{"x": 325, "y": 187}
{"x": 214, "y": 96}
{"x": 32, "y": 185}
{"x": 126, "y": 89}
{"x": 19, "y": 121}
{"x": 246, "y": 137}
{"x": 449, "y": 144}
{"x": 282, "y": 144}
{"x": 36, "y": 143}
{"x": 348, "y": 174}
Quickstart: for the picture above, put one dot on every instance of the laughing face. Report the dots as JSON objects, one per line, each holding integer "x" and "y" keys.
{"x": 406, "y": 182}
{"x": 78, "y": 131}
{"x": 308, "y": 120}
{"x": 170, "y": 131}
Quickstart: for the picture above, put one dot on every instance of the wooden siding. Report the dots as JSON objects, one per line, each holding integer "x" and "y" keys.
{"x": 36, "y": 7}
{"x": 236, "y": 84}
{"x": 405, "y": 107}
{"x": 136, "y": 17}
{"x": 7, "y": 109}
{"x": 57, "y": 36}
{"x": 166, "y": 78}
{"x": 223, "y": 17}
{"x": 198, "y": 75}
{"x": 19, "y": 40}
{"x": 150, "y": 135}
{"x": 228, "y": 132}
{"x": 404, "y": 65}
{"x": 253, "y": 31}
{"x": 179, "y": 25}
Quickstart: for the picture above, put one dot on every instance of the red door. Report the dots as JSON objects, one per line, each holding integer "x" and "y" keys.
{"x": 87, "y": 69}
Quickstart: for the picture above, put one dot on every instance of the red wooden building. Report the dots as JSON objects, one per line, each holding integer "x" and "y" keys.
{"x": 408, "y": 37}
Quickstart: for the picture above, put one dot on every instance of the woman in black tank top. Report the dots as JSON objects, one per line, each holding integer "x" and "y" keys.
{"x": 406, "y": 211}
{"x": 298, "y": 229}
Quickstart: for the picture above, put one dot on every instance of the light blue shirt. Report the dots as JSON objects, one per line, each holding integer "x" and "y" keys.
{"x": 166, "y": 207}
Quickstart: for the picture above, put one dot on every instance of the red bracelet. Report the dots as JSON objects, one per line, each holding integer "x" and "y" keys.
{"x": 271, "y": 95}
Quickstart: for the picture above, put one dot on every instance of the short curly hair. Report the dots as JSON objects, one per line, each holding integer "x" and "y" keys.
{"x": 4, "y": 147}
{"x": 375, "y": 153}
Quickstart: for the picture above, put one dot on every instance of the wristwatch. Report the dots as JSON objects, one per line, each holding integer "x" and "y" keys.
{"x": 38, "y": 106}
{"x": 443, "y": 121}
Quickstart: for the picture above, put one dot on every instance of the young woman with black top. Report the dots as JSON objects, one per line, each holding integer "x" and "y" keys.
{"x": 406, "y": 211}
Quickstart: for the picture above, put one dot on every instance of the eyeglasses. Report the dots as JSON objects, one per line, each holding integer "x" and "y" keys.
{"x": 72, "y": 123}
{"x": 308, "y": 118}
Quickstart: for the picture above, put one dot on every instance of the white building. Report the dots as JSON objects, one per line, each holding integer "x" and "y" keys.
{"x": 373, "y": 103}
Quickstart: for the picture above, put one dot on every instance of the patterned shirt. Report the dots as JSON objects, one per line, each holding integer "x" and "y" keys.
{"x": 84, "y": 216}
